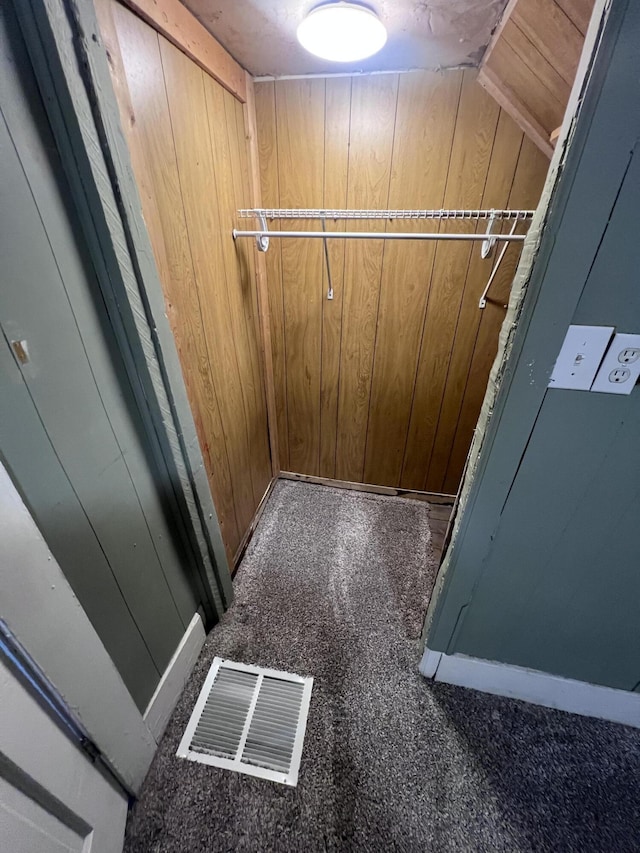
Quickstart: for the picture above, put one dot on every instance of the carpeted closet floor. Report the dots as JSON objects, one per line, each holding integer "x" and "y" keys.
{"x": 335, "y": 585}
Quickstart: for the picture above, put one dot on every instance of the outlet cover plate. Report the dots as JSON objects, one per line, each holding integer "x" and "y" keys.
{"x": 612, "y": 363}
{"x": 580, "y": 356}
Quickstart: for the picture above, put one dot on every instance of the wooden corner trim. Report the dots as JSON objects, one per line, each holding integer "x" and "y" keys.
{"x": 176, "y": 23}
{"x": 261, "y": 277}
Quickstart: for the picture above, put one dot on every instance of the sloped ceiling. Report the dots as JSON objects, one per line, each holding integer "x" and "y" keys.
{"x": 531, "y": 63}
{"x": 261, "y": 34}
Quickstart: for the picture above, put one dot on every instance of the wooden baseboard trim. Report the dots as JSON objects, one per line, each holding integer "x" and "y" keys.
{"x": 242, "y": 547}
{"x": 412, "y": 494}
{"x": 174, "y": 678}
{"x": 530, "y": 685}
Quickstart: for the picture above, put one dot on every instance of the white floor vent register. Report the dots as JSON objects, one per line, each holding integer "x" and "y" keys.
{"x": 250, "y": 720}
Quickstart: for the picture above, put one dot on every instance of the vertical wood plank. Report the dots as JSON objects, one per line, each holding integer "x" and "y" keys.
{"x": 471, "y": 154}
{"x": 265, "y": 106}
{"x": 336, "y": 173}
{"x": 134, "y": 56}
{"x": 246, "y": 255}
{"x": 254, "y": 196}
{"x": 373, "y": 114}
{"x": 427, "y": 105}
{"x": 243, "y": 195}
{"x": 245, "y": 266}
{"x": 300, "y": 129}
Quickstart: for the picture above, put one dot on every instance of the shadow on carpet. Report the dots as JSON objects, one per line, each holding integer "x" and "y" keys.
{"x": 335, "y": 584}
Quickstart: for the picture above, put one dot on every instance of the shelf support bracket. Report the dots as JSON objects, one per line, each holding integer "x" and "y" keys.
{"x": 483, "y": 299}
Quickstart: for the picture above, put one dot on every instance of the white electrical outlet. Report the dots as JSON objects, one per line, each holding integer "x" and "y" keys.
{"x": 580, "y": 357}
{"x": 629, "y": 355}
{"x": 620, "y": 368}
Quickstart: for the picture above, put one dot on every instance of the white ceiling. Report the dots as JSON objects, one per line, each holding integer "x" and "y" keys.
{"x": 261, "y": 34}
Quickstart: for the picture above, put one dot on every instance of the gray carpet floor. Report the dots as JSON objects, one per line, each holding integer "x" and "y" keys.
{"x": 335, "y": 585}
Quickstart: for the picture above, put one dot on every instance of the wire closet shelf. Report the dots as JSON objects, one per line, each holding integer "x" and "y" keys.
{"x": 316, "y": 213}
{"x": 489, "y": 238}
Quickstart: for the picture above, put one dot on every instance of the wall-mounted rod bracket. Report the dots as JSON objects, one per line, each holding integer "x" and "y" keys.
{"x": 262, "y": 241}
{"x": 489, "y": 242}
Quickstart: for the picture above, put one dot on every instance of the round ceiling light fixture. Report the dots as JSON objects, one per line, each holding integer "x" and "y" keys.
{"x": 342, "y": 32}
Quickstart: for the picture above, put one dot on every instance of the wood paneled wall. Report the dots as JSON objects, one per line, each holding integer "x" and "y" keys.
{"x": 187, "y": 138}
{"x": 383, "y": 384}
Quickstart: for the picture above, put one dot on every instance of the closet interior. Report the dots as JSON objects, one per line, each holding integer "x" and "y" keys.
{"x": 337, "y": 359}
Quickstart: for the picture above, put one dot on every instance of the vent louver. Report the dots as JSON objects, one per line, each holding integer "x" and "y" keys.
{"x": 251, "y": 720}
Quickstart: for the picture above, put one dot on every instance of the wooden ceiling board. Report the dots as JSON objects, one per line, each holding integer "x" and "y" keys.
{"x": 543, "y": 104}
{"x": 518, "y": 111}
{"x": 536, "y": 64}
{"x": 553, "y": 34}
{"x": 531, "y": 63}
{"x": 578, "y": 11}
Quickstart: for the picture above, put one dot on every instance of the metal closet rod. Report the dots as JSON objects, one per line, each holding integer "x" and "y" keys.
{"x": 310, "y": 213}
{"x": 378, "y": 235}
{"x": 488, "y": 239}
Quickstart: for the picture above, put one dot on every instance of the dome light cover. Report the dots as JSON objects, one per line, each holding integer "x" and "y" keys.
{"x": 342, "y": 32}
